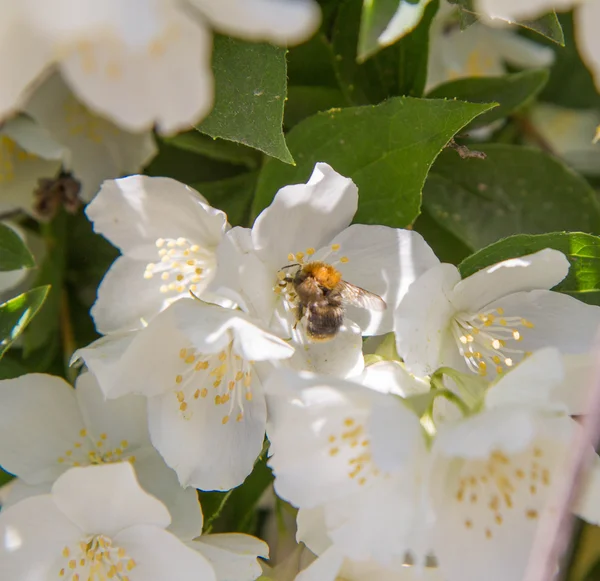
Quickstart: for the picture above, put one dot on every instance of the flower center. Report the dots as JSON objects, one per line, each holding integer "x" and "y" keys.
{"x": 490, "y": 340}
{"x": 350, "y": 445}
{"x": 89, "y": 450}
{"x": 223, "y": 378}
{"x": 95, "y": 557}
{"x": 182, "y": 266}
{"x": 81, "y": 122}
{"x": 488, "y": 489}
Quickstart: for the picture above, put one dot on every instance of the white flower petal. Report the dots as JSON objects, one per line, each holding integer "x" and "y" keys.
{"x": 39, "y": 421}
{"x": 554, "y": 319}
{"x": 32, "y": 56}
{"x": 587, "y": 505}
{"x": 304, "y": 216}
{"x": 107, "y": 498}
{"x": 392, "y": 377}
{"x": 541, "y": 270}
{"x": 161, "y": 556}
{"x": 233, "y": 555}
{"x": 530, "y": 383}
{"x": 101, "y": 358}
{"x": 97, "y": 149}
{"x": 490, "y": 507}
{"x": 325, "y": 568}
{"x": 211, "y": 328}
{"x": 33, "y": 534}
{"x": 341, "y": 356}
{"x": 404, "y": 20}
{"x": 156, "y": 478}
{"x": 311, "y": 529}
{"x": 20, "y": 174}
{"x": 513, "y": 10}
{"x": 423, "y": 316}
{"x": 19, "y": 490}
{"x": 277, "y": 21}
{"x": 134, "y": 86}
{"x": 382, "y": 260}
{"x": 574, "y": 390}
{"x": 32, "y": 137}
{"x": 188, "y": 442}
{"x": 586, "y": 34}
{"x": 123, "y": 419}
{"x": 519, "y": 51}
{"x": 509, "y": 430}
{"x": 126, "y": 300}
{"x": 136, "y": 211}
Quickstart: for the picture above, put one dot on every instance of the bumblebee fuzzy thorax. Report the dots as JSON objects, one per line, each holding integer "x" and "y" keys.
{"x": 325, "y": 274}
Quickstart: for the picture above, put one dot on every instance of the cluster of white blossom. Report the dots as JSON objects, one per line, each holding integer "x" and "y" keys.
{"x": 440, "y": 444}
{"x": 90, "y": 81}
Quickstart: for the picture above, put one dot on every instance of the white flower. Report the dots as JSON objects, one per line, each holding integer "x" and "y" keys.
{"x": 495, "y": 475}
{"x": 199, "y": 366}
{"x": 333, "y": 566}
{"x": 586, "y": 17}
{"x": 47, "y": 427}
{"x": 232, "y": 555}
{"x": 96, "y": 522}
{"x": 140, "y": 63}
{"x": 27, "y": 155}
{"x": 570, "y": 134}
{"x": 478, "y": 50}
{"x": 349, "y": 458}
{"x": 93, "y": 148}
{"x": 310, "y": 223}
{"x": 168, "y": 235}
{"x": 491, "y": 320}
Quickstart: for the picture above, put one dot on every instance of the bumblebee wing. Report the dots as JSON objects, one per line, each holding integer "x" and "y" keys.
{"x": 359, "y": 297}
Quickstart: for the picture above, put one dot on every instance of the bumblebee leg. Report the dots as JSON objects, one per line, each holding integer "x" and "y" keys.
{"x": 299, "y": 315}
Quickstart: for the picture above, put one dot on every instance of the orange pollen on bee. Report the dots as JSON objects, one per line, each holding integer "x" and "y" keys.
{"x": 325, "y": 274}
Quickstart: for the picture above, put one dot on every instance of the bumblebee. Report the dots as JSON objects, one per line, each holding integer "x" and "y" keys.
{"x": 322, "y": 296}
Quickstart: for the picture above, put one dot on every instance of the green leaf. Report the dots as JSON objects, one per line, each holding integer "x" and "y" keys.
{"x": 14, "y": 255}
{"x": 512, "y": 92}
{"x": 386, "y": 149}
{"x": 250, "y": 92}
{"x": 304, "y": 101}
{"x": 516, "y": 190}
{"x": 548, "y": 25}
{"x": 447, "y": 247}
{"x": 579, "y": 92}
{"x": 413, "y": 52}
{"x": 236, "y": 514}
{"x": 17, "y": 313}
{"x": 213, "y": 148}
{"x": 361, "y": 83}
{"x": 376, "y": 16}
{"x": 45, "y": 328}
{"x": 233, "y": 196}
{"x": 582, "y": 250}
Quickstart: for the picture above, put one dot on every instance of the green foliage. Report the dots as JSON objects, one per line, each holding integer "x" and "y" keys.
{"x": 17, "y": 313}
{"x": 511, "y": 92}
{"x": 386, "y": 149}
{"x": 516, "y": 190}
{"x": 250, "y": 93}
{"x": 13, "y": 252}
{"x": 582, "y": 250}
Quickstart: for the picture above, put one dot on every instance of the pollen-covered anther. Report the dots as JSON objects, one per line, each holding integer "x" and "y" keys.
{"x": 490, "y": 338}
{"x": 185, "y": 262}
{"x": 95, "y": 557}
